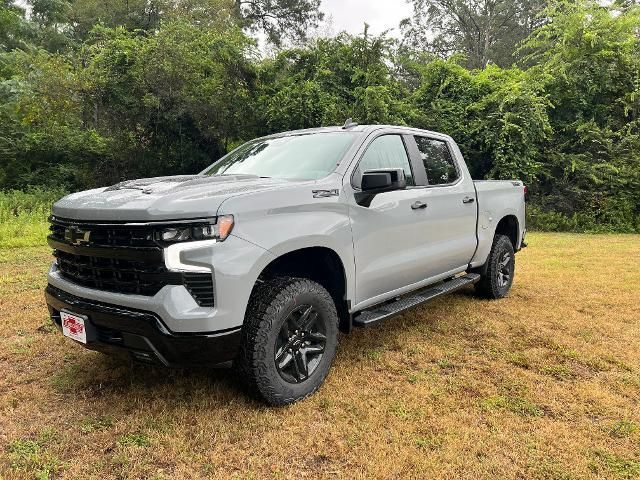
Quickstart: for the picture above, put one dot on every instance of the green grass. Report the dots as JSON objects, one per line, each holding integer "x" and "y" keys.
{"x": 32, "y": 455}
{"x": 90, "y": 425}
{"x": 134, "y": 440}
{"x": 518, "y": 405}
{"x": 609, "y": 463}
{"x": 23, "y": 217}
{"x": 623, "y": 428}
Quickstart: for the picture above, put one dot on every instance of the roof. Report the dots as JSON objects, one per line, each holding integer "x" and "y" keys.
{"x": 358, "y": 128}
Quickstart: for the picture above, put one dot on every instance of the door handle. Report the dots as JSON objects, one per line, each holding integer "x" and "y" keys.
{"x": 418, "y": 205}
{"x": 468, "y": 200}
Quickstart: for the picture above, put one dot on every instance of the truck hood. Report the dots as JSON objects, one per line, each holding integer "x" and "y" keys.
{"x": 161, "y": 198}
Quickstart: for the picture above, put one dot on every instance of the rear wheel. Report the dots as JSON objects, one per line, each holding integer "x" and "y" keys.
{"x": 497, "y": 280}
{"x": 290, "y": 337}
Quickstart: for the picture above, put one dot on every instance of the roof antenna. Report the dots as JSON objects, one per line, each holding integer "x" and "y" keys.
{"x": 349, "y": 124}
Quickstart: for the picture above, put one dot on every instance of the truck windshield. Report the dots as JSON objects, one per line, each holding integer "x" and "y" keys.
{"x": 296, "y": 157}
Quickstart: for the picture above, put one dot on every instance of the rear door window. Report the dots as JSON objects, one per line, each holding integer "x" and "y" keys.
{"x": 438, "y": 162}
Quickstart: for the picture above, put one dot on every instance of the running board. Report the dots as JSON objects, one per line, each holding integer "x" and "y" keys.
{"x": 390, "y": 309}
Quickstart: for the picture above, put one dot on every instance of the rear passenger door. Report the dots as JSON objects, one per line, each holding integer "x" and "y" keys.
{"x": 451, "y": 216}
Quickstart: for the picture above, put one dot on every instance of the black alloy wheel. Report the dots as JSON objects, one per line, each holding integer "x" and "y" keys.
{"x": 300, "y": 344}
{"x": 504, "y": 270}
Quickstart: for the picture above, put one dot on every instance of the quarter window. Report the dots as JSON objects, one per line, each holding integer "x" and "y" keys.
{"x": 386, "y": 151}
{"x": 440, "y": 167}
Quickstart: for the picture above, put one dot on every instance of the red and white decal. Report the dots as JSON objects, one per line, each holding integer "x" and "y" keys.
{"x": 73, "y": 327}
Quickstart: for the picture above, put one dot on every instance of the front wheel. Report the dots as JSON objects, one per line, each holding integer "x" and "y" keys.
{"x": 289, "y": 339}
{"x": 501, "y": 264}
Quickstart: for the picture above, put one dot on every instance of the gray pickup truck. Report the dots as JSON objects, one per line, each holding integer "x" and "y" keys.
{"x": 261, "y": 259}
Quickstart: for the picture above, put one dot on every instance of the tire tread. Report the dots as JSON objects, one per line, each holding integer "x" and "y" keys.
{"x": 267, "y": 299}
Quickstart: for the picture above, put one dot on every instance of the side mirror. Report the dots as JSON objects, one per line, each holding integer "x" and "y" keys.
{"x": 383, "y": 180}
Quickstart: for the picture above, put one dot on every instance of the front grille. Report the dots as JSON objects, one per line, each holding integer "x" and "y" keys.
{"x": 120, "y": 258}
{"x": 105, "y": 235}
{"x": 115, "y": 275}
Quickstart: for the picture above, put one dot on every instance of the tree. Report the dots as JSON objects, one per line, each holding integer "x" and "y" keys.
{"x": 589, "y": 58}
{"x": 92, "y": 92}
{"x": 329, "y": 81}
{"x": 498, "y": 117}
{"x": 279, "y": 19}
{"x": 485, "y": 31}
{"x": 130, "y": 14}
{"x": 169, "y": 102}
{"x": 43, "y": 139}
{"x": 14, "y": 30}
{"x": 52, "y": 18}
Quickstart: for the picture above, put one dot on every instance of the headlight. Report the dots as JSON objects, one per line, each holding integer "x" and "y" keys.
{"x": 203, "y": 232}
{"x": 175, "y": 235}
{"x": 219, "y": 230}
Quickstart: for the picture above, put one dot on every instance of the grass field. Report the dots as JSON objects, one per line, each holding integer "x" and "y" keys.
{"x": 23, "y": 216}
{"x": 543, "y": 384}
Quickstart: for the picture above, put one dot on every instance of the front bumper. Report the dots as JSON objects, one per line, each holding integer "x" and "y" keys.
{"x": 142, "y": 334}
{"x": 235, "y": 265}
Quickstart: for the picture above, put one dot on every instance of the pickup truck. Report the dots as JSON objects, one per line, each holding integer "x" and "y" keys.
{"x": 260, "y": 260}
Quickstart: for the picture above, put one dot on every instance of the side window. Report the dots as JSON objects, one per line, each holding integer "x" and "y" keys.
{"x": 440, "y": 166}
{"x": 386, "y": 151}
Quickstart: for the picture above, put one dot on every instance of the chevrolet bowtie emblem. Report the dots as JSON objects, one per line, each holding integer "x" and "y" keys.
{"x": 76, "y": 236}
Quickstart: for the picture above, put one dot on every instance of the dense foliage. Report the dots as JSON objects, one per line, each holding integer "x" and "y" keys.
{"x": 93, "y": 92}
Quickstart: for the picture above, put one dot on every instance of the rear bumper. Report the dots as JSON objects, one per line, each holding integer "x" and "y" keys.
{"x": 142, "y": 334}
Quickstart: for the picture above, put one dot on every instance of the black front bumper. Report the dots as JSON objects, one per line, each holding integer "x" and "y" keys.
{"x": 142, "y": 335}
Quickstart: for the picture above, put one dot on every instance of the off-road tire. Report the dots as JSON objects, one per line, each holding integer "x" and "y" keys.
{"x": 270, "y": 305}
{"x": 491, "y": 284}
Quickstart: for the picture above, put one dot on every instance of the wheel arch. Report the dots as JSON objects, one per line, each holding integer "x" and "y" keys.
{"x": 321, "y": 264}
{"x": 510, "y": 227}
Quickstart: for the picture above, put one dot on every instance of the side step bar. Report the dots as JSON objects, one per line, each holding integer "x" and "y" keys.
{"x": 390, "y": 309}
